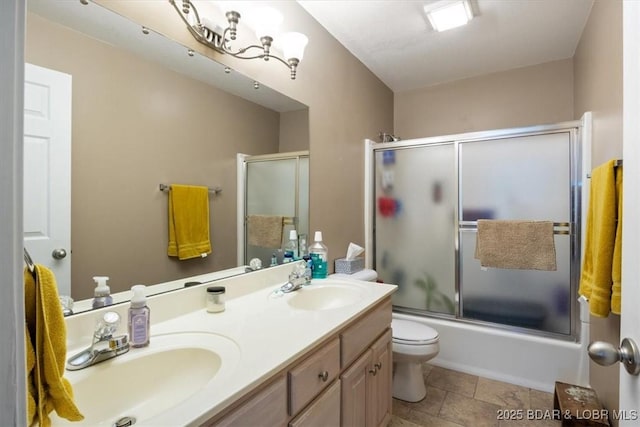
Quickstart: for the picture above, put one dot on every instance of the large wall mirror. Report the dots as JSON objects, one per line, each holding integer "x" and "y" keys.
{"x": 147, "y": 111}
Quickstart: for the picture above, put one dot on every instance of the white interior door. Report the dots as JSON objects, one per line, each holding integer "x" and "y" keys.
{"x": 47, "y": 171}
{"x": 630, "y": 319}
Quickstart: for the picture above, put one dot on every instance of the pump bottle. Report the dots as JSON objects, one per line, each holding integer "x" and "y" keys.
{"x": 138, "y": 318}
{"x": 101, "y": 295}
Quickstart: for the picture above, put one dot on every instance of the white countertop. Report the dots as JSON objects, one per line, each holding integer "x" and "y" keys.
{"x": 269, "y": 333}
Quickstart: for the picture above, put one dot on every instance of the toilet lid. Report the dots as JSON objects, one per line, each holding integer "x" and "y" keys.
{"x": 408, "y": 332}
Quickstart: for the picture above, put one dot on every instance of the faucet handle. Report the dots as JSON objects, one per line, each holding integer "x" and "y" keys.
{"x": 107, "y": 325}
{"x": 298, "y": 271}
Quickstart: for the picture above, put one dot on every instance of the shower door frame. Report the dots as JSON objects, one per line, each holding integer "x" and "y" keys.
{"x": 579, "y": 164}
{"x": 241, "y": 177}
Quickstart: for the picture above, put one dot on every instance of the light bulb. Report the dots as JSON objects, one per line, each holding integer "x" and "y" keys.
{"x": 265, "y": 21}
{"x": 293, "y": 45}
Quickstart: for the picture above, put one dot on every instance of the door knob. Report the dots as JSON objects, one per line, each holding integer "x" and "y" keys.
{"x": 59, "y": 253}
{"x": 607, "y": 354}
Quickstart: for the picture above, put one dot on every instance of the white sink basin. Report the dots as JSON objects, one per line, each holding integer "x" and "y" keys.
{"x": 146, "y": 382}
{"x": 326, "y": 296}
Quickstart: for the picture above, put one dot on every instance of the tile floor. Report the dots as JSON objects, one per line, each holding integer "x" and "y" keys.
{"x": 455, "y": 399}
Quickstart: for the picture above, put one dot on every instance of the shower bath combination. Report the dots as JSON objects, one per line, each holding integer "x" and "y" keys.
{"x": 423, "y": 200}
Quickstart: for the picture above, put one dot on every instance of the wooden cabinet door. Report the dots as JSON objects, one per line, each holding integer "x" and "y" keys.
{"x": 268, "y": 407}
{"x": 380, "y": 378}
{"x": 354, "y": 391}
{"x": 322, "y": 412}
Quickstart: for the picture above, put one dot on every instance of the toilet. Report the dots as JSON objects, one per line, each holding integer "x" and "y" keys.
{"x": 413, "y": 344}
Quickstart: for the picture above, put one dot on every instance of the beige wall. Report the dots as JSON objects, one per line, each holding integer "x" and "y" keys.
{"x": 527, "y": 96}
{"x": 294, "y": 131}
{"x": 136, "y": 125}
{"x": 347, "y": 103}
{"x": 598, "y": 88}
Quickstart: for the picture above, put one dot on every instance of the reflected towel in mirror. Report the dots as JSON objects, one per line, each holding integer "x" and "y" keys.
{"x": 188, "y": 221}
{"x": 265, "y": 230}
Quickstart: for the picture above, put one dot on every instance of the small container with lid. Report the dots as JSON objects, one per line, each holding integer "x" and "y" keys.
{"x": 215, "y": 299}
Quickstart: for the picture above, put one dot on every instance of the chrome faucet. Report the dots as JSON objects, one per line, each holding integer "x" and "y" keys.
{"x": 297, "y": 279}
{"x": 104, "y": 346}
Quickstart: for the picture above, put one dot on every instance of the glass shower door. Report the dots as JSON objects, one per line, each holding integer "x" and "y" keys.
{"x": 416, "y": 199}
{"x": 517, "y": 178}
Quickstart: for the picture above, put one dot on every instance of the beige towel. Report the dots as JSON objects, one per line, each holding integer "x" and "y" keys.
{"x": 265, "y": 230}
{"x": 524, "y": 245}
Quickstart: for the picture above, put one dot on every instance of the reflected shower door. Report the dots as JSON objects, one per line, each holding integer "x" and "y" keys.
{"x": 279, "y": 187}
{"x": 416, "y": 199}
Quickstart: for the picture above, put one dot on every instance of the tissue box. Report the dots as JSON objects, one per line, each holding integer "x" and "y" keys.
{"x": 344, "y": 266}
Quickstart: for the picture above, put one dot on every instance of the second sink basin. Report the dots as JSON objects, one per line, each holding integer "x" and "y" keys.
{"x": 326, "y": 296}
{"x": 146, "y": 382}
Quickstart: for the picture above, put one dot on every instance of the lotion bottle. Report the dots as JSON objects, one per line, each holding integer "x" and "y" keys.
{"x": 138, "y": 318}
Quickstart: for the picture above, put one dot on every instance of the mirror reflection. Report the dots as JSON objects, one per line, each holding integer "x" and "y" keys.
{"x": 142, "y": 111}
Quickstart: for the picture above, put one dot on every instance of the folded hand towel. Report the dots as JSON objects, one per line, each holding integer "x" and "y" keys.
{"x": 524, "y": 245}
{"x": 46, "y": 350}
{"x": 265, "y": 230}
{"x": 601, "y": 239}
{"x": 188, "y": 221}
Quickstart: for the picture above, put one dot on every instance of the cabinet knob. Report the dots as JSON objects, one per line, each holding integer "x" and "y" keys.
{"x": 324, "y": 375}
{"x": 378, "y": 365}
{"x": 374, "y": 371}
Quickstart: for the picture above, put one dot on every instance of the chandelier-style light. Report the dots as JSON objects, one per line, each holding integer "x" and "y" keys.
{"x": 208, "y": 33}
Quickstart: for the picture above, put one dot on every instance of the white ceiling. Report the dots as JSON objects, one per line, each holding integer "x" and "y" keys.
{"x": 396, "y": 42}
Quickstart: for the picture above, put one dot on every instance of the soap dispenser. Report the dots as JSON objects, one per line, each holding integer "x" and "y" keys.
{"x": 139, "y": 318}
{"x": 102, "y": 293}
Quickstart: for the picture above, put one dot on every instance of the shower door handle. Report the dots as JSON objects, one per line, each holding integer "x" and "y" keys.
{"x": 607, "y": 354}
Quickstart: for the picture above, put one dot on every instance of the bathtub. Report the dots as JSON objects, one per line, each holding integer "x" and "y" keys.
{"x": 526, "y": 360}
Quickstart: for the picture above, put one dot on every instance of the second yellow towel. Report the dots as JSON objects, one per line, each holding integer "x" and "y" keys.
{"x": 601, "y": 266}
{"x": 188, "y": 221}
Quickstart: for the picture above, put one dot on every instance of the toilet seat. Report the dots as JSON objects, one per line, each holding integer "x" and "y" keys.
{"x": 406, "y": 332}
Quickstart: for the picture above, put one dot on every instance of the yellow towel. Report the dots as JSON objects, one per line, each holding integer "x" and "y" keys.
{"x": 514, "y": 244}
{"x": 46, "y": 350}
{"x": 265, "y": 230}
{"x": 600, "y": 241}
{"x": 616, "y": 272}
{"x": 188, "y": 221}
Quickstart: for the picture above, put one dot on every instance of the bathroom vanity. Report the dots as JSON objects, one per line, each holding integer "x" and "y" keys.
{"x": 344, "y": 380}
{"x": 318, "y": 356}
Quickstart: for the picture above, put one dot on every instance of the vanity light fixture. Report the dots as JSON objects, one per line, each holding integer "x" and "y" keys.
{"x": 213, "y": 36}
{"x": 447, "y": 14}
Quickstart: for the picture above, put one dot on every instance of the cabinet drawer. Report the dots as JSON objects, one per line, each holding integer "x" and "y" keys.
{"x": 312, "y": 375}
{"x": 359, "y": 337}
{"x": 325, "y": 411}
